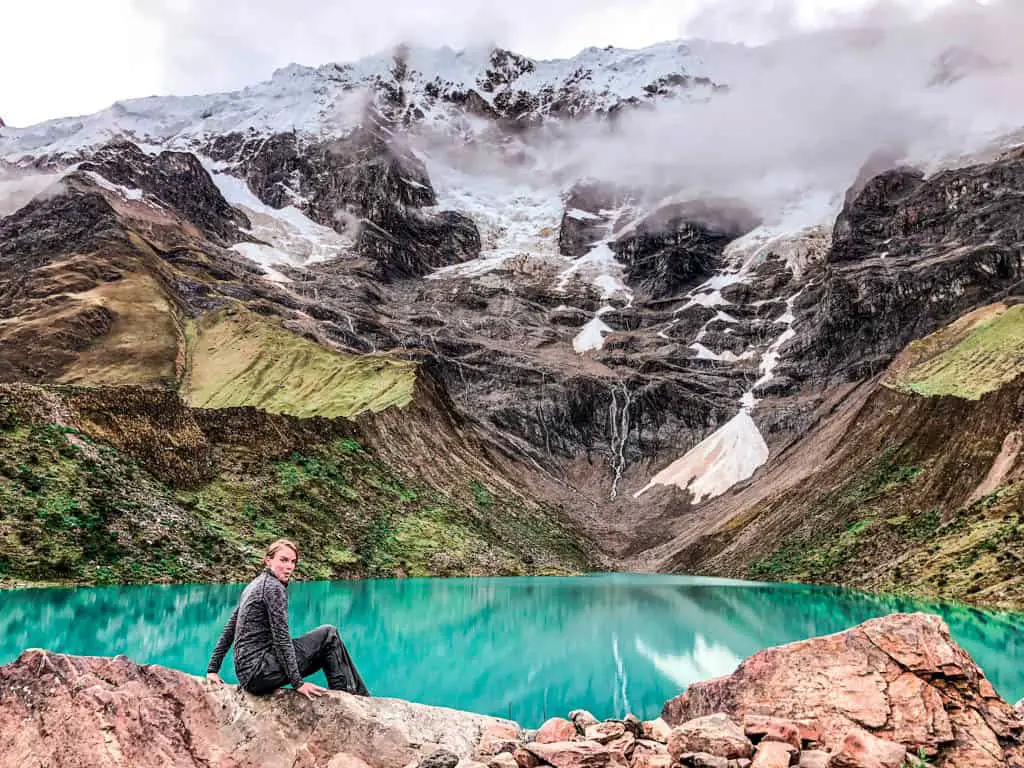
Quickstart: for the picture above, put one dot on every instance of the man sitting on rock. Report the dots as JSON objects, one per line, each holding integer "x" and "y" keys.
{"x": 266, "y": 656}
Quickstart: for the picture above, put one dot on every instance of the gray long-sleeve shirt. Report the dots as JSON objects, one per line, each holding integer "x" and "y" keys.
{"x": 259, "y": 624}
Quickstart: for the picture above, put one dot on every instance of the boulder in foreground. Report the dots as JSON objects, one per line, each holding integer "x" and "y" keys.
{"x": 901, "y": 678}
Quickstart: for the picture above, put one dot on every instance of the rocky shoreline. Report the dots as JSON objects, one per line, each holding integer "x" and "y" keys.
{"x": 892, "y": 692}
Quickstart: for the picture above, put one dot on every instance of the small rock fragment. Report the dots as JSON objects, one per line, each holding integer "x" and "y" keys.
{"x": 442, "y": 758}
{"x": 656, "y": 730}
{"x": 604, "y": 732}
{"x": 345, "y": 760}
{"x": 555, "y": 729}
{"x": 715, "y": 734}
{"x": 773, "y": 754}
{"x": 498, "y": 738}
{"x": 582, "y": 718}
{"x": 860, "y": 749}
{"x": 813, "y": 758}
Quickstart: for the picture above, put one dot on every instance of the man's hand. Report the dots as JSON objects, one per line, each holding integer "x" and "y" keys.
{"x": 213, "y": 677}
{"x": 309, "y": 690}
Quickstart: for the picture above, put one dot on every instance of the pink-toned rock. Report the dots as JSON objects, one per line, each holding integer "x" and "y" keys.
{"x": 622, "y": 747}
{"x": 343, "y": 760}
{"x": 525, "y": 758}
{"x": 634, "y": 725}
{"x": 813, "y": 758}
{"x": 715, "y": 734}
{"x": 648, "y": 747}
{"x": 498, "y": 738}
{"x": 113, "y": 713}
{"x": 900, "y": 677}
{"x": 554, "y": 730}
{"x": 860, "y": 749}
{"x": 1019, "y": 709}
{"x": 647, "y": 760}
{"x": 604, "y": 732}
{"x": 575, "y": 754}
{"x": 763, "y": 728}
{"x": 502, "y": 760}
{"x": 773, "y": 754}
{"x": 582, "y": 718}
{"x": 704, "y": 760}
{"x": 656, "y": 730}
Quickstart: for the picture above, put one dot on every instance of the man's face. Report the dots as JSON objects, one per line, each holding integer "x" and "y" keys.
{"x": 282, "y": 563}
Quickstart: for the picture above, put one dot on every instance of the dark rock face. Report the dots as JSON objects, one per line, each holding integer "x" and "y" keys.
{"x": 586, "y": 217}
{"x": 367, "y": 182}
{"x": 176, "y": 178}
{"x": 410, "y": 243}
{"x": 909, "y": 256}
{"x": 49, "y": 225}
{"x": 679, "y": 245}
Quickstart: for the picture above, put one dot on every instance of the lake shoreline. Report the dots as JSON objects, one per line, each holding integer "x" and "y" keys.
{"x": 924, "y": 596}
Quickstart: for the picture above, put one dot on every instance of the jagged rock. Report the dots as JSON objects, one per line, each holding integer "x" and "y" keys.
{"x": 345, "y": 760}
{"x": 604, "y": 732}
{"x": 442, "y": 758}
{"x": 574, "y": 754}
{"x": 761, "y": 728}
{"x": 774, "y": 754}
{"x": 634, "y": 725}
{"x": 582, "y": 719}
{"x": 622, "y": 747}
{"x": 555, "y": 729}
{"x": 525, "y": 758}
{"x": 813, "y": 758}
{"x": 499, "y": 738}
{"x": 716, "y": 734}
{"x": 503, "y": 760}
{"x": 177, "y": 179}
{"x": 649, "y": 760}
{"x": 116, "y": 712}
{"x": 909, "y": 255}
{"x": 900, "y": 676}
{"x": 679, "y": 245}
{"x": 657, "y": 730}
{"x": 860, "y": 749}
{"x": 703, "y": 760}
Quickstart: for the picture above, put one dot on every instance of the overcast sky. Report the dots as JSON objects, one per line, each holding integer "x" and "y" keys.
{"x": 69, "y": 57}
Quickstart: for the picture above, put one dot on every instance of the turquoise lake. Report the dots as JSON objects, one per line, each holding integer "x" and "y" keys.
{"x": 520, "y": 647}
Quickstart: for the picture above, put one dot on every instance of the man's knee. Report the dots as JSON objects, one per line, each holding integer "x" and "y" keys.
{"x": 329, "y": 633}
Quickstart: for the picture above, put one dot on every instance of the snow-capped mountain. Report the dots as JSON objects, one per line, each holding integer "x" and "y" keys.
{"x": 637, "y": 270}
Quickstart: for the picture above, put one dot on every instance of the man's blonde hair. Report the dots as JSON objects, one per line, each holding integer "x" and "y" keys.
{"x": 272, "y": 549}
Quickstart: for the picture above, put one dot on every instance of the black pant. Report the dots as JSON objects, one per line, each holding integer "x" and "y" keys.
{"x": 320, "y": 649}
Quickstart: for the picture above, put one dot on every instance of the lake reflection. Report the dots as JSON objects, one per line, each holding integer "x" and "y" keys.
{"x": 525, "y": 647}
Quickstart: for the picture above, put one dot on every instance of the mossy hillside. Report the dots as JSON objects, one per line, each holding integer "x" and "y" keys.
{"x": 979, "y": 353}
{"x": 817, "y": 552}
{"x": 236, "y": 357}
{"x": 72, "y": 510}
{"x": 883, "y": 540}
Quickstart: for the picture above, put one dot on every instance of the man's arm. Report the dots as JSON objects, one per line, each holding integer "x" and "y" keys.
{"x": 276, "y": 601}
{"x": 227, "y": 637}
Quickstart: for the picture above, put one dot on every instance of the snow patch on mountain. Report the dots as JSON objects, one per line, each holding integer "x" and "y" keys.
{"x": 291, "y": 237}
{"x": 728, "y": 456}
